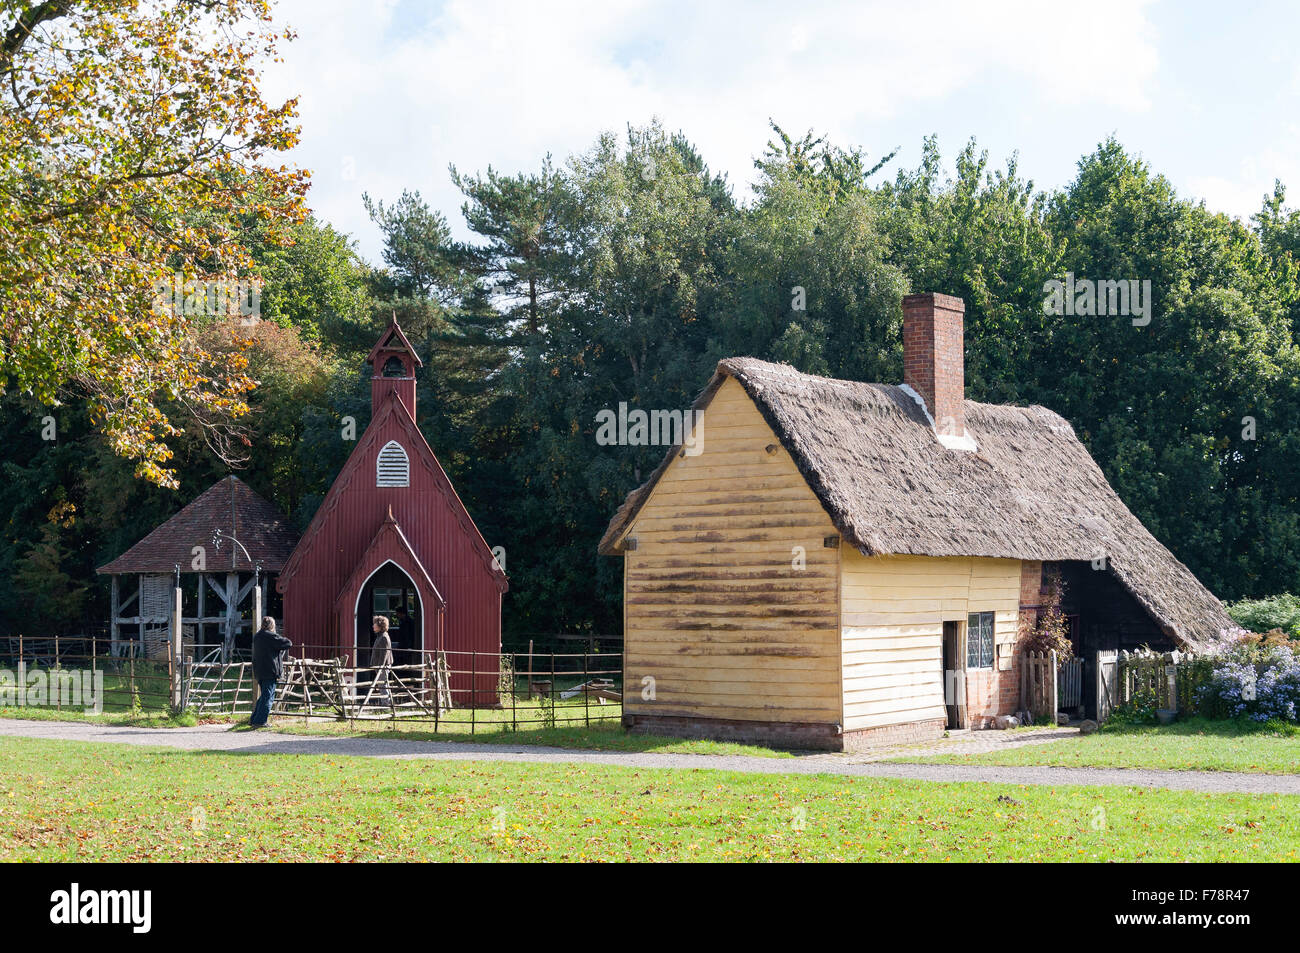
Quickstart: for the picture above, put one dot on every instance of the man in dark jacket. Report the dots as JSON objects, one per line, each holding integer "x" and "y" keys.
{"x": 268, "y": 647}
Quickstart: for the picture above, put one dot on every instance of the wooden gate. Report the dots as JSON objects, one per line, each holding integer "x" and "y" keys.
{"x": 1069, "y": 683}
{"x": 1038, "y": 685}
{"x": 1107, "y": 683}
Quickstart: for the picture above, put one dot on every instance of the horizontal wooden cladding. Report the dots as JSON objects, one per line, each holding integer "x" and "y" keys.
{"x": 722, "y": 706}
{"x": 773, "y": 488}
{"x": 859, "y": 720}
{"x": 819, "y": 562}
{"x": 731, "y": 666}
{"x": 892, "y": 674}
{"x": 725, "y": 601}
{"x": 794, "y": 496}
{"x": 719, "y": 611}
{"x": 911, "y": 590}
{"x": 700, "y": 609}
{"x": 738, "y": 539}
{"x": 669, "y": 684}
{"x": 745, "y": 653}
{"x": 752, "y": 652}
{"x": 886, "y": 612}
{"x": 719, "y": 579}
{"x": 748, "y": 476}
{"x": 784, "y": 519}
{"x": 903, "y": 680}
{"x": 891, "y": 700}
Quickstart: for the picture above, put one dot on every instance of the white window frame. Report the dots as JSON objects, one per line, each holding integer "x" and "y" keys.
{"x": 392, "y": 466}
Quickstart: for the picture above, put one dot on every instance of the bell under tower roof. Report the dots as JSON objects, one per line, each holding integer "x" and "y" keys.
{"x": 392, "y": 342}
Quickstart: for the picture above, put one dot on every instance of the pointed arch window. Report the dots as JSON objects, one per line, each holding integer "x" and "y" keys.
{"x": 392, "y": 468}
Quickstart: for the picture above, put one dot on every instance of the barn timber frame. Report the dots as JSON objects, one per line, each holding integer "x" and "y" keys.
{"x": 216, "y": 557}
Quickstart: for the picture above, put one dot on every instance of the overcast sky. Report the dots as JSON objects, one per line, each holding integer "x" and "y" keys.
{"x": 392, "y": 91}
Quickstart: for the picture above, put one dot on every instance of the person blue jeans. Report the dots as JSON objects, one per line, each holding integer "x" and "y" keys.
{"x": 262, "y": 710}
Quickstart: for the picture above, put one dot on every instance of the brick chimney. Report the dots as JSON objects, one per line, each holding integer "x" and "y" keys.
{"x": 934, "y": 364}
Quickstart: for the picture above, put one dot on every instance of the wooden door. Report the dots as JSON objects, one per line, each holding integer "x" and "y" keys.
{"x": 954, "y": 674}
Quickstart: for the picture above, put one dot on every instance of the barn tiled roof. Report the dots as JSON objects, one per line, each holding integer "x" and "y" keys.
{"x": 229, "y": 505}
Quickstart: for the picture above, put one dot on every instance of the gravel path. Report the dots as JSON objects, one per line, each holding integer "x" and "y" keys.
{"x": 221, "y": 738}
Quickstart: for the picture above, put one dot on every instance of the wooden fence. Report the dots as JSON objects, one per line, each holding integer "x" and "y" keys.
{"x": 1153, "y": 680}
{"x": 1049, "y": 684}
{"x": 556, "y": 689}
{"x": 1039, "y": 689}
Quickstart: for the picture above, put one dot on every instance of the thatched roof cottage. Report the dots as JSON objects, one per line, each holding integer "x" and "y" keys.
{"x": 836, "y": 551}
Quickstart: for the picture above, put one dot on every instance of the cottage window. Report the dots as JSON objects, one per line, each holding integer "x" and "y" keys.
{"x": 979, "y": 640}
{"x": 392, "y": 467}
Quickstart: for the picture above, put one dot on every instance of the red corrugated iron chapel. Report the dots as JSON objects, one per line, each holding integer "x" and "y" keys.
{"x": 392, "y": 532}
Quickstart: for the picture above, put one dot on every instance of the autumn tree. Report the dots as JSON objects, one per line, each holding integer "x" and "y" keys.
{"x": 134, "y": 138}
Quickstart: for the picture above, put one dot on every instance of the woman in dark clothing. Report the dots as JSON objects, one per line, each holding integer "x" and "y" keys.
{"x": 381, "y": 655}
{"x": 268, "y": 649}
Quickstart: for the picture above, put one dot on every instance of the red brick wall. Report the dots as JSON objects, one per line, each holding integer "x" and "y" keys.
{"x": 864, "y": 739}
{"x": 933, "y": 358}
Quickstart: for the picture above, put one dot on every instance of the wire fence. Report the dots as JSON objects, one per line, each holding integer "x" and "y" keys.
{"x": 129, "y": 681}
{"x": 446, "y": 691}
{"x": 442, "y": 691}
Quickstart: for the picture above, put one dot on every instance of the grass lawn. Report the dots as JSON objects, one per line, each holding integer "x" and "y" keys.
{"x": 1193, "y": 745}
{"x": 63, "y": 800}
{"x": 149, "y": 718}
{"x": 141, "y": 690}
{"x": 599, "y": 736}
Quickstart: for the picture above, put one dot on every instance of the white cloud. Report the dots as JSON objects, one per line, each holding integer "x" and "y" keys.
{"x": 1243, "y": 193}
{"x": 390, "y": 94}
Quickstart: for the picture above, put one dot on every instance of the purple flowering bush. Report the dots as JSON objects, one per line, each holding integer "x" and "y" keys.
{"x": 1252, "y": 681}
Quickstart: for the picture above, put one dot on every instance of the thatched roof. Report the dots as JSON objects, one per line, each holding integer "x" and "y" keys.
{"x": 1030, "y": 491}
{"x": 229, "y": 505}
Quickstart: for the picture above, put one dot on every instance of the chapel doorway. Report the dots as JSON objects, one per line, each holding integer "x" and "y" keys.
{"x": 386, "y": 593}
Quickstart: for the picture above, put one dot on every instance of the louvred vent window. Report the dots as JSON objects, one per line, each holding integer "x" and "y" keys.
{"x": 392, "y": 467}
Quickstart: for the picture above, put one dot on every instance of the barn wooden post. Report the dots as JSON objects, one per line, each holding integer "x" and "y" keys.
{"x": 178, "y": 636}
{"x": 199, "y": 631}
{"x": 114, "y": 612}
{"x": 232, "y": 607}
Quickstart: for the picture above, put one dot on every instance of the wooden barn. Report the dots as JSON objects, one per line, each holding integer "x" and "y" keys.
{"x": 392, "y": 533}
{"x": 832, "y": 558}
{"x": 224, "y": 548}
